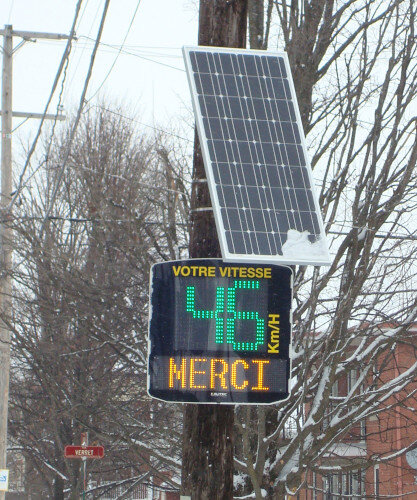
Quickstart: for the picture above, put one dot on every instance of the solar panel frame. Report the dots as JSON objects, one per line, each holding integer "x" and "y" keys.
{"x": 240, "y": 192}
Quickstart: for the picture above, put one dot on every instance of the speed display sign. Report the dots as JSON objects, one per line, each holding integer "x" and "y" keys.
{"x": 219, "y": 332}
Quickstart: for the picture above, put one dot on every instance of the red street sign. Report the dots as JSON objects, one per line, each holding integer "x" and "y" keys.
{"x": 83, "y": 451}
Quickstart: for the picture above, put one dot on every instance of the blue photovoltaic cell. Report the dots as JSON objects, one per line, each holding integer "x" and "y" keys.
{"x": 254, "y": 154}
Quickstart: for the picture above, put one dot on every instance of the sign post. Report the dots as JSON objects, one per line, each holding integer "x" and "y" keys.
{"x": 84, "y": 442}
{"x": 84, "y": 452}
{"x": 219, "y": 332}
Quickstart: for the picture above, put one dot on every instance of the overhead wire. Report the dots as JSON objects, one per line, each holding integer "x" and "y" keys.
{"x": 77, "y": 118}
{"x": 64, "y": 65}
{"x": 20, "y": 124}
{"x": 118, "y": 54}
{"x": 87, "y": 219}
{"x": 84, "y": 47}
{"x": 157, "y": 129}
{"x": 61, "y": 67}
{"x": 10, "y": 11}
{"x": 84, "y": 41}
{"x": 123, "y": 51}
{"x": 99, "y": 219}
{"x": 153, "y": 60}
{"x": 58, "y": 107}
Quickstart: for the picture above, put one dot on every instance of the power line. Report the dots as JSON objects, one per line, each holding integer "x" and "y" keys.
{"x": 118, "y": 54}
{"x": 62, "y": 64}
{"x": 118, "y": 176}
{"x": 140, "y": 123}
{"x": 157, "y": 129}
{"x": 379, "y": 235}
{"x": 10, "y": 11}
{"x": 77, "y": 118}
{"x": 139, "y": 56}
{"x": 48, "y": 149}
{"x": 141, "y": 49}
{"x": 97, "y": 219}
{"x": 143, "y": 184}
{"x": 85, "y": 220}
{"x": 75, "y": 71}
{"x": 20, "y": 124}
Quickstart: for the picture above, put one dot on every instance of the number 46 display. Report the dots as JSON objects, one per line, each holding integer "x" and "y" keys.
{"x": 225, "y": 315}
{"x": 219, "y": 332}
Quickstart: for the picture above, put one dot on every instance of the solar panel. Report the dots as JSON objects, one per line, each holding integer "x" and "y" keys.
{"x": 255, "y": 156}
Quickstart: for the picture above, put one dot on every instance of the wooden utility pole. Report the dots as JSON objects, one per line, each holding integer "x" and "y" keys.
{"x": 5, "y": 249}
{"x": 207, "y": 460}
{"x": 5, "y": 222}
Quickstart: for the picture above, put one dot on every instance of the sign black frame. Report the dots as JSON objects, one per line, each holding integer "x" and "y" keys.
{"x": 164, "y": 327}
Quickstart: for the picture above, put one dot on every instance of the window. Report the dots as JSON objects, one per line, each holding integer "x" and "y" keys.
{"x": 139, "y": 492}
{"x": 352, "y": 379}
{"x": 351, "y": 484}
{"x": 331, "y": 406}
{"x": 376, "y": 481}
{"x": 314, "y": 492}
{"x": 331, "y": 486}
{"x": 338, "y": 404}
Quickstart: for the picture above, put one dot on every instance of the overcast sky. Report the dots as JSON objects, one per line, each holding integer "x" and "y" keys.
{"x": 148, "y": 75}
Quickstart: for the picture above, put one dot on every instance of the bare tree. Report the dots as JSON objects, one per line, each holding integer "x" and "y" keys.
{"x": 81, "y": 304}
{"x": 355, "y": 75}
{"x": 259, "y": 22}
{"x": 81, "y": 282}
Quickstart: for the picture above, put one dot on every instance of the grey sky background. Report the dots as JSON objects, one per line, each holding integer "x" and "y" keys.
{"x": 148, "y": 77}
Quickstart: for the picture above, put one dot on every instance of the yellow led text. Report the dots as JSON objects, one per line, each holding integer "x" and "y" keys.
{"x": 221, "y": 374}
{"x": 179, "y": 374}
{"x": 223, "y": 272}
{"x": 206, "y": 271}
{"x": 245, "y": 272}
{"x": 194, "y": 372}
{"x": 217, "y": 374}
{"x": 273, "y": 325}
{"x": 245, "y": 366}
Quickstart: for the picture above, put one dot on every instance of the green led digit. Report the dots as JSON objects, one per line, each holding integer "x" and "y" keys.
{"x": 220, "y": 314}
{"x": 243, "y": 315}
{"x": 190, "y": 306}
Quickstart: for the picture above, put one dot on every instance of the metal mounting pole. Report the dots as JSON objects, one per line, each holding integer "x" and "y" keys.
{"x": 84, "y": 442}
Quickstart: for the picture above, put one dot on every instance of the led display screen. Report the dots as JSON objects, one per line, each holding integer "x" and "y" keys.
{"x": 219, "y": 332}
